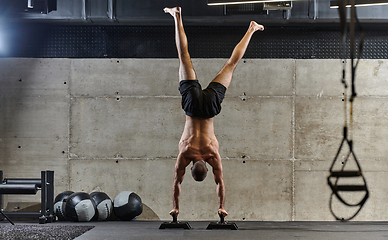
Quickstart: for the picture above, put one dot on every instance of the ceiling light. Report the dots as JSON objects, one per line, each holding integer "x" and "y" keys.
{"x": 277, "y": 5}
{"x": 228, "y": 2}
{"x": 360, "y": 3}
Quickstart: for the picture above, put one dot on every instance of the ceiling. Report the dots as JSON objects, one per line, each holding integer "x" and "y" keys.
{"x": 195, "y": 12}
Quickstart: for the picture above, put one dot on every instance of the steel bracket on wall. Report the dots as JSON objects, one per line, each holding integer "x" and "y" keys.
{"x": 93, "y": 10}
{"x": 41, "y": 6}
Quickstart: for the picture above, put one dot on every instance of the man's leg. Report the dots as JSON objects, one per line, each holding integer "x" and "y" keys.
{"x": 225, "y": 75}
{"x": 186, "y": 70}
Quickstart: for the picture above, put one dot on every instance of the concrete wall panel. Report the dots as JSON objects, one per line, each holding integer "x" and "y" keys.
{"x": 371, "y": 78}
{"x": 323, "y": 77}
{"x": 319, "y": 77}
{"x": 34, "y": 117}
{"x": 34, "y": 77}
{"x": 318, "y": 127}
{"x": 257, "y": 189}
{"x": 369, "y": 129}
{"x": 312, "y": 193}
{"x": 257, "y": 128}
{"x": 320, "y": 121}
{"x": 133, "y": 77}
{"x": 130, "y": 127}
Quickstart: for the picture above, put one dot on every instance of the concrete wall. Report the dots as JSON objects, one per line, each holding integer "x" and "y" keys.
{"x": 114, "y": 125}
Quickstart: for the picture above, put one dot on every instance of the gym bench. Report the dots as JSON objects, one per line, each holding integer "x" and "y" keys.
{"x": 30, "y": 186}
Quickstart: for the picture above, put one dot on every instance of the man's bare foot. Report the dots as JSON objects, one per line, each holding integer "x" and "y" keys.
{"x": 256, "y": 26}
{"x": 174, "y": 212}
{"x": 222, "y": 212}
{"x": 173, "y": 11}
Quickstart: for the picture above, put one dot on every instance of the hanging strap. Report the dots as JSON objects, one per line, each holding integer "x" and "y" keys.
{"x": 334, "y": 177}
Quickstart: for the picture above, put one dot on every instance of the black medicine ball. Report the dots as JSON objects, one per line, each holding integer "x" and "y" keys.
{"x": 80, "y": 207}
{"x": 127, "y": 206}
{"x": 59, "y": 205}
{"x": 104, "y": 205}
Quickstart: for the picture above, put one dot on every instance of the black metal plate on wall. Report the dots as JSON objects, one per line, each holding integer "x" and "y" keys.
{"x": 86, "y": 41}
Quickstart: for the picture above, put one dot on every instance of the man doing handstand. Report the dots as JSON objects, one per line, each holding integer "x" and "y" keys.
{"x": 198, "y": 143}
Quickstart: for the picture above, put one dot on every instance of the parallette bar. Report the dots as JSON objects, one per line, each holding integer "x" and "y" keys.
{"x": 181, "y": 225}
{"x": 225, "y": 225}
{"x": 175, "y": 224}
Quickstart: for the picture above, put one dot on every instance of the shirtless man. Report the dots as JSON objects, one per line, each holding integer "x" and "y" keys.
{"x": 198, "y": 143}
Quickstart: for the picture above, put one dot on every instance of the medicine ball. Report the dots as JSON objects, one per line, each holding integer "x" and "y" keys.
{"x": 127, "y": 206}
{"x": 80, "y": 207}
{"x": 59, "y": 205}
{"x": 103, "y": 204}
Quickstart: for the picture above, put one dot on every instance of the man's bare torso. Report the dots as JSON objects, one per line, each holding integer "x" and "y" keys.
{"x": 198, "y": 141}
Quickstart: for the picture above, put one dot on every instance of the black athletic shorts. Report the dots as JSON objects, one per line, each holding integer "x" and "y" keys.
{"x": 204, "y": 103}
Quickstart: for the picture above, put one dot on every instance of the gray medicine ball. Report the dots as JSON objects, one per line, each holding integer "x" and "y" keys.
{"x": 80, "y": 207}
{"x": 104, "y": 205}
{"x": 59, "y": 205}
{"x": 127, "y": 206}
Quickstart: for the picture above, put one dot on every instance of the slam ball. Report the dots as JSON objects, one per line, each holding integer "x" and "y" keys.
{"x": 103, "y": 204}
{"x": 80, "y": 207}
{"x": 127, "y": 206}
{"x": 59, "y": 205}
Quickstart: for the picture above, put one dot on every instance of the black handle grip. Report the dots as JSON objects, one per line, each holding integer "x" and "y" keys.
{"x": 222, "y": 219}
{"x": 174, "y": 218}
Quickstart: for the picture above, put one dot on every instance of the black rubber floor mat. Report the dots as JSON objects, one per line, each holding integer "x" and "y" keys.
{"x": 27, "y": 232}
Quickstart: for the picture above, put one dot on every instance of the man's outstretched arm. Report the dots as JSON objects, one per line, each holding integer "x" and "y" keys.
{"x": 219, "y": 179}
{"x": 176, "y": 188}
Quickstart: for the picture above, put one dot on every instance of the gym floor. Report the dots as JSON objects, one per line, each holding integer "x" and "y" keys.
{"x": 247, "y": 230}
